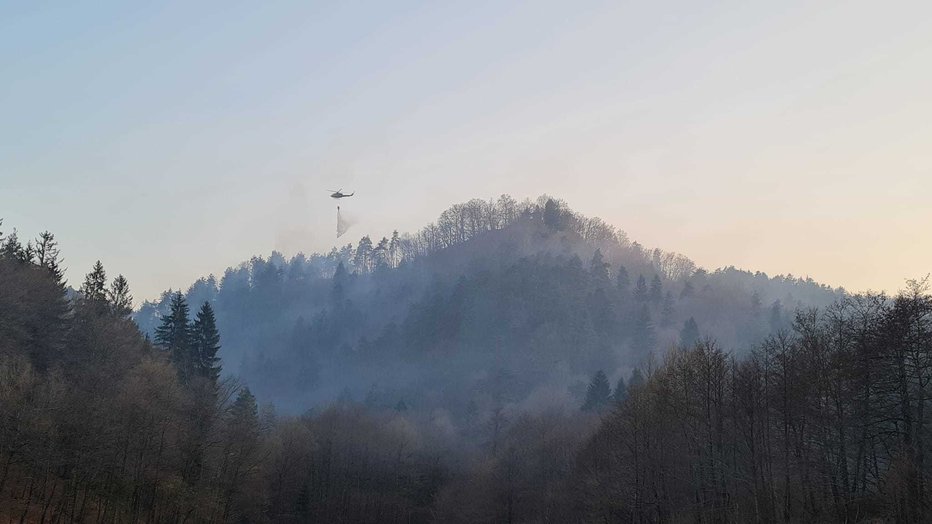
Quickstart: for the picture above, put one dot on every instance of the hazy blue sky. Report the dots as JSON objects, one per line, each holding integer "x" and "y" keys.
{"x": 174, "y": 140}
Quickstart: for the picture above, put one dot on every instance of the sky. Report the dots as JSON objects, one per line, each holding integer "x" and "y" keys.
{"x": 171, "y": 140}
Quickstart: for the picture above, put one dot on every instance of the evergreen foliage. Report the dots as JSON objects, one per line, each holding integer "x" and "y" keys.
{"x": 598, "y": 393}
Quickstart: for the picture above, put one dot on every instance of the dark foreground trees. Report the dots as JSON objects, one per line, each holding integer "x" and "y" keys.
{"x": 826, "y": 423}
{"x": 99, "y": 425}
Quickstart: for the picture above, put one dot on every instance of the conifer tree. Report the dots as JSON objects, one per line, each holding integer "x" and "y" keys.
{"x": 689, "y": 335}
{"x": 622, "y": 280}
{"x": 640, "y": 289}
{"x": 667, "y": 310}
{"x": 12, "y": 249}
{"x": 94, "y": 288}
{"x": 598, "y": 393}
{"x": 755, "y": 305}
{"x": 340, "y": 280}
{"x": 636, "y": 380}
{"x": 206, "y": 340}
{"x": 656, "y": 290}
{"x": 553, "y": 215}
{"x": 776, "y": 316}
{"x": 621, "y": 391}
{"x": 174, "y": 336}
{"x": 599, "y": 268}
{"x": 121, "y": 302}
{"x": 644, "y": 336}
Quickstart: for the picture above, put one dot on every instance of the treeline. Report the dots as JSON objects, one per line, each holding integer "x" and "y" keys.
{"x": 502, "y": 285}
{"x": 826, "y": 422}
{"x": 98, "y": 424}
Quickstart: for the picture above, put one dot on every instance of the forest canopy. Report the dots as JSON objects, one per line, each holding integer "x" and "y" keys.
{"x": 513, "y": 362}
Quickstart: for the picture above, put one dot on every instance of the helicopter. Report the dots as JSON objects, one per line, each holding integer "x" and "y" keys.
{"x": 340, "y": 194}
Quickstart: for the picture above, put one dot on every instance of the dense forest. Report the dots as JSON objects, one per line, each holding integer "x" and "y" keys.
{"x": 514, "y": 362}
{"x": 494, "y": 288}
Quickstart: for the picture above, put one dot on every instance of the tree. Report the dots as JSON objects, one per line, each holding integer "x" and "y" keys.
{"x": 121, "y": 302}
{"x": 621, "y": 391}
{"x": 640, "y": 289}
{"x": 553, "y": 215}
{"x": 636, "y": 380}
{"x": 644, "y": 337}
{"x": 94, "y": 288}
{"x": 12, "y": 249}
{"x": 207, "y": 343}
{"x": 776, "y": 316}
{"x": 48, "y": 256}
{"x": 362, "y": 260}
{"x": 381, "y": 259}
{"x": 340, "y": 281}
{"x": 174, "y": 336}
{"x": 598, "y": 268}
{"x": 755, "y": 305}
{"x": 622, "y": 280}
{"x": 689, "y": 335}
{"x": 598, "y": 394}
{"x": 667, "y": 310}
{"x": 656, "y": 290}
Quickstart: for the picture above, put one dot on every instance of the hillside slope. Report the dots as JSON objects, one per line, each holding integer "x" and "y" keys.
{"x": 524, "y": 300}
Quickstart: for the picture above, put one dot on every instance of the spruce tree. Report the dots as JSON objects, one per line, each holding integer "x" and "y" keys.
{"x": 621, "y": 391}
{"x": 206, "y": 339}
{"x": 755, "y": 305}
{"x": 636, "y": 380}
{"x": 598, "y": 393}
{"x": 622, "y": 280}
{"x": 340, "y": 281}
{"x": 640, "y": 289}
{"x": 174, "y": 336}
{"x": 94, "y": 288}
{"x": 12, "y": 249}
{"x": 553, "y": 215}
{"x": 689, "y": 335}
{"x": 598, "y": 268}
{"x": 656, "y": 290}
{"x": 776, "y": 316}
{"x": 121, "y": 302}
{"x": 667, "y": 310}
{"x": 644, "y": 336}
{"x": 244, "y": 416}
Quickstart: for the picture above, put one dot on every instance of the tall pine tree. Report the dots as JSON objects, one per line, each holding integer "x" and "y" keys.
{"x": 121, "y": 302}
{"x": 206, "y": 343}
{"x": 656, "y": 290}
{"x": 640, "y": 289}
{"x": 174, "y": 336}
{"x": 599, "y": 392}
{"x": 622, "y": 280}
{"x": 689, "y": 335}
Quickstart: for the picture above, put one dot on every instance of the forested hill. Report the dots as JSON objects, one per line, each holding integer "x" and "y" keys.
{"x": 529, "y": 298}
